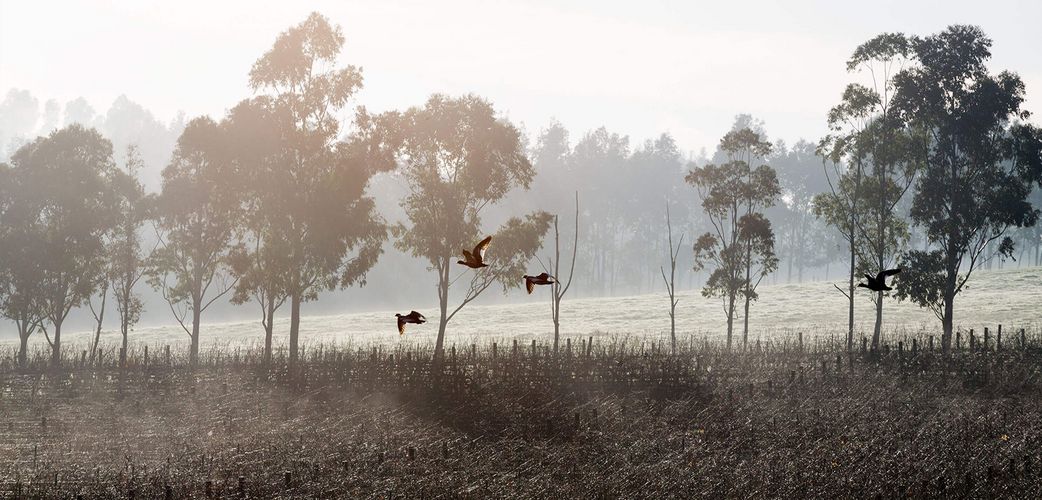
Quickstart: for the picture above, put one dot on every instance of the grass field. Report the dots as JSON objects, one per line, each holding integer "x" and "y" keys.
{"x": 613, "y": 415}
{"x": 1012, "y": 297}
{"x": 612, "y": 419}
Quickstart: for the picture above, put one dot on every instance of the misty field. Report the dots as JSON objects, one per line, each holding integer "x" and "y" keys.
{"x": 607, "y": 419}
{"x": 367, "y": 415}
{"x": 1012, "y": 297}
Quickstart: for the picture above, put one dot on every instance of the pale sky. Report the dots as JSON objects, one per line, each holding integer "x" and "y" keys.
{"x": 639, "y": 68}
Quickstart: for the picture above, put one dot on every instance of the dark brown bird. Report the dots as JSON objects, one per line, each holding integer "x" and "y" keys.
{"x": 413, "y": 317}
{"x": 540, "y": 279}
{"x": 878, "y": 284}
{"x": 475, "y": 259}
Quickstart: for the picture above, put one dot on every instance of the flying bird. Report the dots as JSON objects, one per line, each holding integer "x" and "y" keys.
{"x": 475, "y": 259}
{"x": 413, "y": 317}
{"x": 878, "y": 283}
{"x": 541, "y": 279}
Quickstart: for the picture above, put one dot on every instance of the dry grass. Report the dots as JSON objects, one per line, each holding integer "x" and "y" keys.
{"x": 625, "y": 420}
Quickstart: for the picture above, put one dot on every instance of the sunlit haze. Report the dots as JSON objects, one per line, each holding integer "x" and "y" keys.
{"x": 638, "y": 68}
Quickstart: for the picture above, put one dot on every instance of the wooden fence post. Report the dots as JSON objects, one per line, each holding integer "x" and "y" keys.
{"x": 166, "y": 353}
{"x": 998, "y": 339}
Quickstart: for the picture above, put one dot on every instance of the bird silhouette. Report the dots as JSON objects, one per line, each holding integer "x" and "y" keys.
{"x": 540, "y": 279}
{"x": 878, "y": 283}
{"x": 475, "y": 259}
{"x": 413, "y": 317}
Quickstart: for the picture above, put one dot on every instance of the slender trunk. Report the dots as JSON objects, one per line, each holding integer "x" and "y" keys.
{"x": 556, "y": 268}
{"x": 23, "y": 349}
{"x": 193, "y": 355}
{"x": 97, "y": 331}
{"x": 269, "y": 327}
{"x": 748, "y": 291}
{"x": 443, "y": 305}
{"x": 947, "y": 321}
{"x": 294, "y": 328}
{"x": 124, "y": 329}
{"x": 745, "y": 326}
{"x": 557, "y": 317}
{"x": 877, "y": 331}
{"x": 673, "y": 324}
{"x": 56, "y": 350}
{"x": 850, "y": 296}
{"x": 730, "y": 318}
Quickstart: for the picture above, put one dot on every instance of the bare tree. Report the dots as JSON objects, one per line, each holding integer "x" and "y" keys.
{"x": 670, "y": 283}
{"x": 557, "y": 289}
{"x": 99, "y": 316}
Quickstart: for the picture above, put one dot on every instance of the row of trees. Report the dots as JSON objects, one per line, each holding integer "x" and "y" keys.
{"x": 933, "y": 122}
{"x": 267, "y": 205}
{"x": 937, "y": 143}
{"x": 273, "y": 203}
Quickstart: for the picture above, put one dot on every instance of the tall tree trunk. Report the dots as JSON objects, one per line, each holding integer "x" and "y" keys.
{"x": 269, "y": 328}
{"x": 947, "y": 321}
{"x": 947, "y": 318}
{"x": 443, "y": 305}
{"x": 850, "y": 297}
{"x": 294, "y": 328}
{"x": 23, "y": 348}
{"x": 877, "y": 331}
{"x": 193, "y": 355}
{"x": 124, "y": 330}
{"x": 748, "y": 291}
{"x": 745, "y": 326}
{"x": 56, "y": 349}
{"x": 730, "y": 319}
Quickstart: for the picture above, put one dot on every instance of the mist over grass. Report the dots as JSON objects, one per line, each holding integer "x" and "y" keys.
{"x": 1011, "y": 297}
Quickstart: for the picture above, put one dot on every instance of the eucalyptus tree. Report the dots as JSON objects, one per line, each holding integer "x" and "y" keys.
{"x": 20, "y": 243}
{"x": 66, "y": 196}
{"x": 741, "y": 239}
{"x": 841, "y": 208}
{"x": 127, "y": 253}
{"x": 882, "y": 150}
{"x": 980, "y": 164}
{"x": 321, "y": 226}
{"x": 197, "y": 218}
{"x": 458, "y": 158}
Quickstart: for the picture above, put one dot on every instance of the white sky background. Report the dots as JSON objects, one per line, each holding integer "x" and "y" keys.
{"x": 639, "y": 68}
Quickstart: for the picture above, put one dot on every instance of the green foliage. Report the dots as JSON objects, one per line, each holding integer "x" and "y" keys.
{"x": 923, "y": 280}
{"x": 979, "y": 168}
{"x": 126, "y": 257}
{"x": 742, "y": 238}
{"x": 199, "y": 218}
{"x": 65, "y": 206}
{"x": 311, "y": 226}
{"x": 458, "y": 158}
